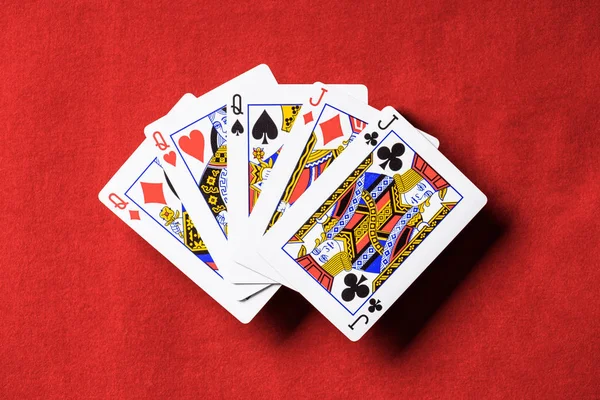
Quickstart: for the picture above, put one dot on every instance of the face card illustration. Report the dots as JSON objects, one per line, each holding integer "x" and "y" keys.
{"x": 329, "y": 121}
{"x": 191, "y": 143}
{"x": 261, "y": 122}
{"x": 371, "y": 224}
{"x": 141, "y": 195}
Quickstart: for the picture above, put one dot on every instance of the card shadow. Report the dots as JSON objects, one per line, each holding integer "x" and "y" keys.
{"x": 401, "y": 324}
{"x": 410, "y": 313}
{"x": 419, "y": 123}
{"x": 285, "y": 313}
{"x": 403, "y": 321}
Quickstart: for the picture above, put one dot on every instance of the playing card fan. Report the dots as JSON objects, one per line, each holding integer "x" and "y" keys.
{"x": 255, "y": 185}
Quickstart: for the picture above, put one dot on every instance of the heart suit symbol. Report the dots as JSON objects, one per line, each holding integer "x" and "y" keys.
{"x": 170, "y": 157}
{"x": 193, "y": 144}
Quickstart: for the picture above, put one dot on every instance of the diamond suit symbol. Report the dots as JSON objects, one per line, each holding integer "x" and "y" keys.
{"x": 153, "y": 193}
{"x": 134, "y": 214}
{"x": 331, "y": 129}
{"x": 308, "y": 117}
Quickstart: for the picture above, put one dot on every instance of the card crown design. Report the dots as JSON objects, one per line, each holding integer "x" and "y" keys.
{"x": 289, "y": 116}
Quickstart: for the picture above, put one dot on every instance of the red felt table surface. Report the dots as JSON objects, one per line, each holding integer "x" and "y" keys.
{"x": 509, "y": 310}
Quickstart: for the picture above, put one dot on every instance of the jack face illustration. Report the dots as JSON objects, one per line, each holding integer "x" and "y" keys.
{"x": 373, "y": 221}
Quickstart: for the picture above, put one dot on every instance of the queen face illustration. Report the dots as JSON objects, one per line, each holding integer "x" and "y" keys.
{"x": 219, "y": 122}
{"x": 418, "y": 194}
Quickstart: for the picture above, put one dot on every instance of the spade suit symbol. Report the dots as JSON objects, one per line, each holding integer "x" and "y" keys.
{"x": 237, "y": 128}
{"x": 264, "y": 128}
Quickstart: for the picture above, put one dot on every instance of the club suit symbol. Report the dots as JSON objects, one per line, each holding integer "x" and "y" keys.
{"x": 289, "y": 120}
{"x": 391, "y": 157}
{"x": 371, "y": 138}
{"x": 374, "y": 305}
{"x": 264, "y": 128}
{"x": 355, "y": 287}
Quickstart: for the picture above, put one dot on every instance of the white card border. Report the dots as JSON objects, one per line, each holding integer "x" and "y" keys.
{"x": 183, "y": 182}
{"x": 220, "y": 290}
{"x": 271, "y": 245}
{"x": 243, "y": 233}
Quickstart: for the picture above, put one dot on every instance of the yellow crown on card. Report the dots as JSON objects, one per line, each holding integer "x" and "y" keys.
{"x": 289, "y": 116}
{"x": 256, "y": 170}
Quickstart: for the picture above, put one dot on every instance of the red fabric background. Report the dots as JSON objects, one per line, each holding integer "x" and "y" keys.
{"x": 509, "y": 310}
